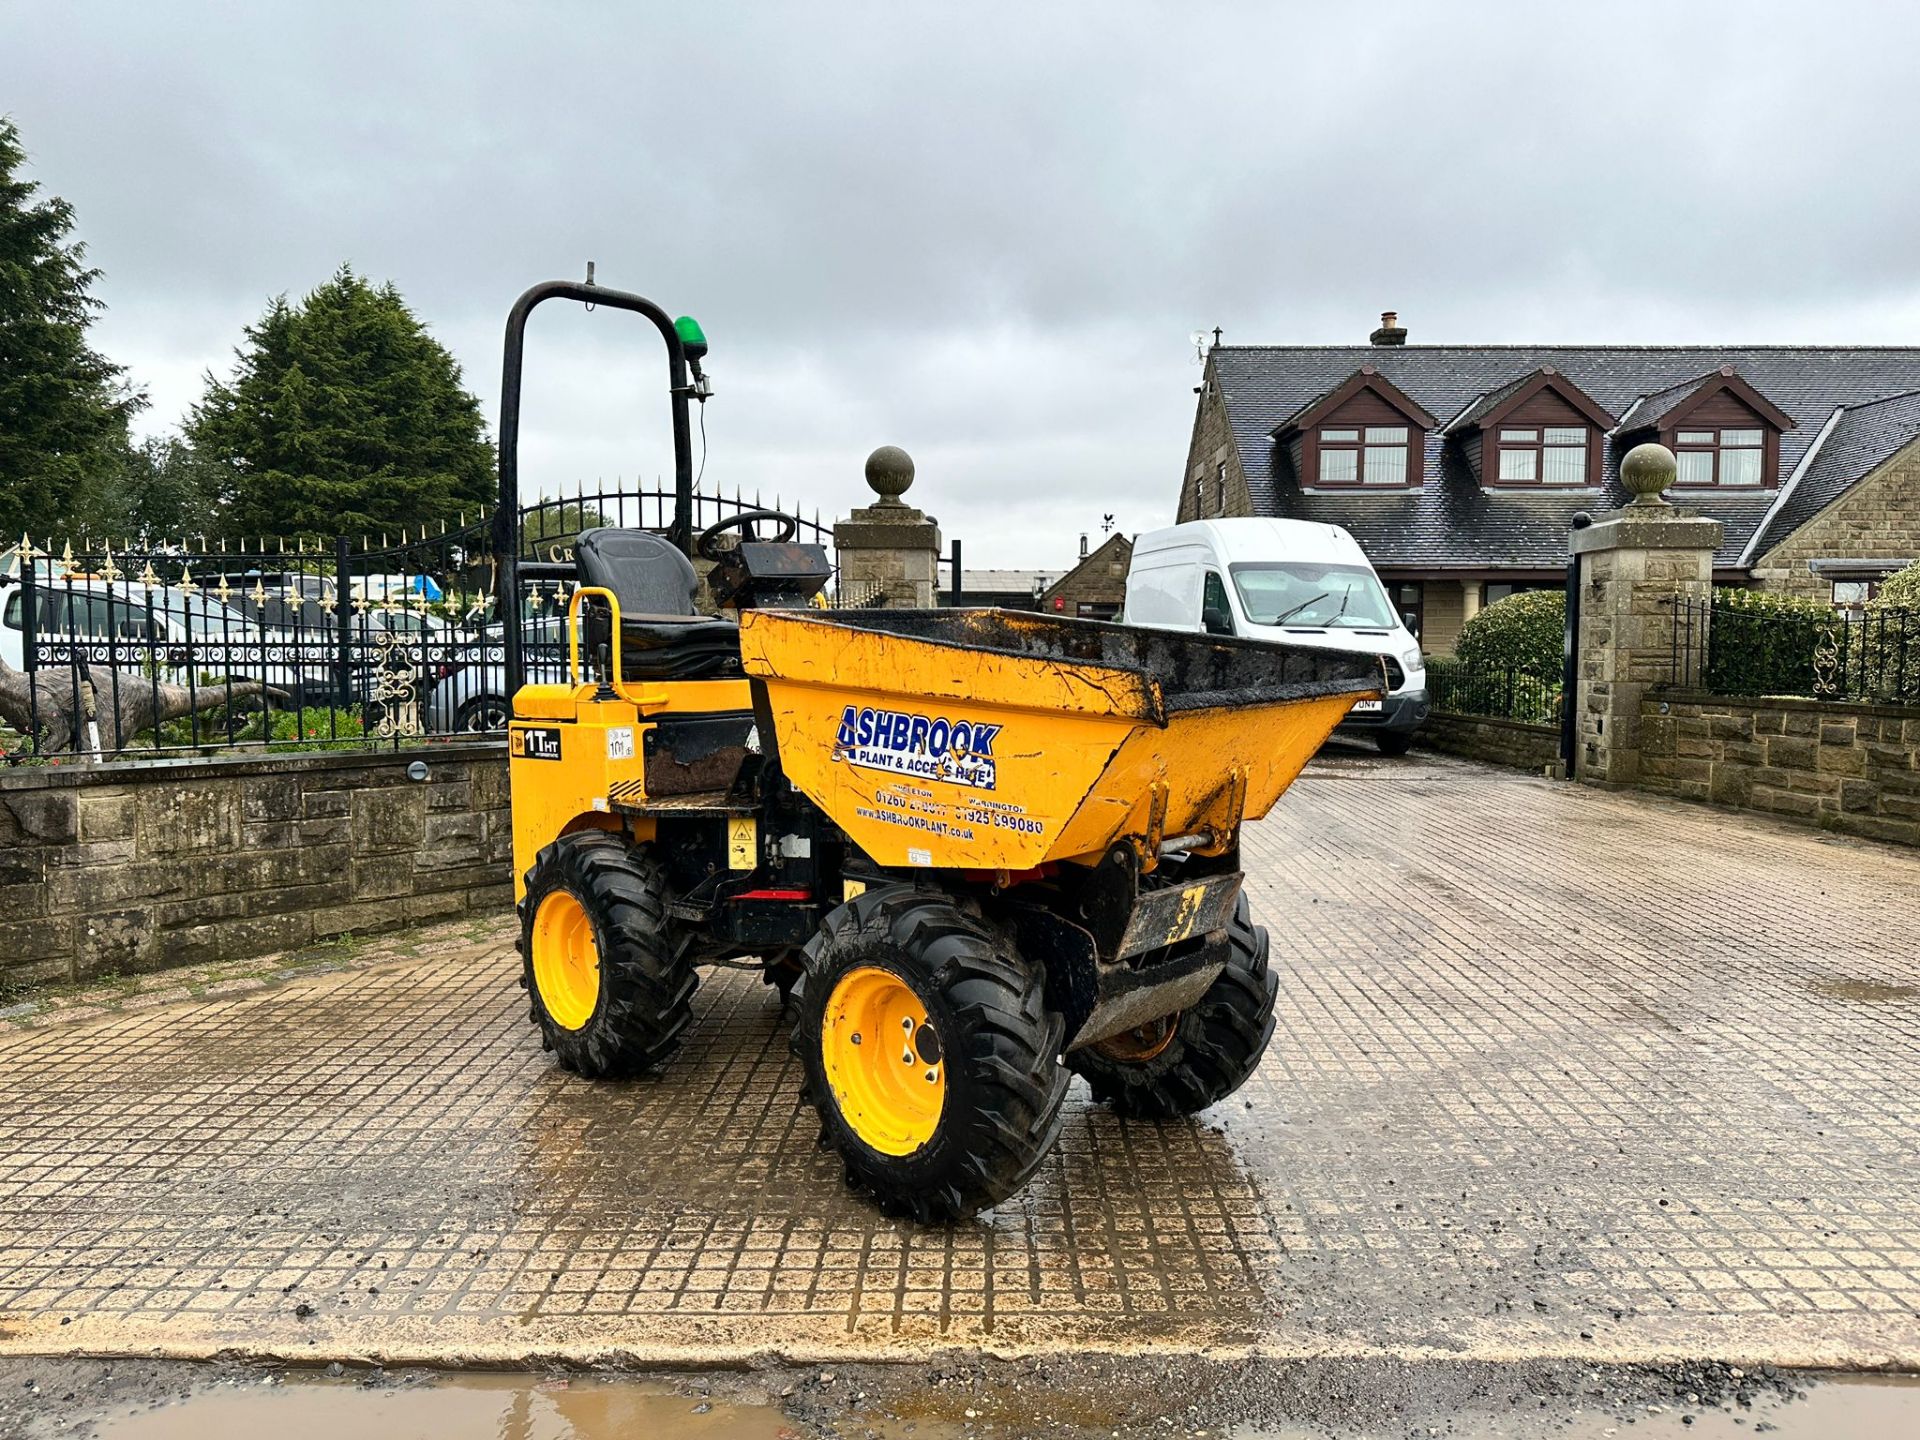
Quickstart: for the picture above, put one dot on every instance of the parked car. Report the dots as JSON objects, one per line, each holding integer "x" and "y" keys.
{"x": 158, "y": 629}
{"x": 469, "y": 694}
{"x": 1291, "y": 580}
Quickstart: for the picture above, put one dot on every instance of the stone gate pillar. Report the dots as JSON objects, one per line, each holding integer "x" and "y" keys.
{"x": 888, "y": 548}
{"x": 1632, "y": 565}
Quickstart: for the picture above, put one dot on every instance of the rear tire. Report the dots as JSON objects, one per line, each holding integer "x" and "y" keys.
{"x": 608, "y": 979}
{"x": 929, "y": 1053}
{"x": 1213, "y": 1046}
{"x": 1393, "y": 743}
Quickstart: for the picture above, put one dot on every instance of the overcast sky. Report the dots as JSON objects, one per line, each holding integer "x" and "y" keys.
{"x": 983, "y": 232}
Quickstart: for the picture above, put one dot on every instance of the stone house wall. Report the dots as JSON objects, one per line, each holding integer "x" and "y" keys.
{"x": 110, "y": 869}
{"x": 1842, "y": 766}
{"x": 1211, "y": 447}
{"x": 1443, "y": 614}
{"x": 1100, "y": 579}
{"x": 1878, "y": 519}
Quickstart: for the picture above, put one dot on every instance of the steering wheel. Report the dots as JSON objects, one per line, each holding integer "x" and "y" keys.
{"x": 745, "y": 520}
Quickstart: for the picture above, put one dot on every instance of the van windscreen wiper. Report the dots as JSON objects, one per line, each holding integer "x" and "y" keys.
{"x": 1282, "y": 619}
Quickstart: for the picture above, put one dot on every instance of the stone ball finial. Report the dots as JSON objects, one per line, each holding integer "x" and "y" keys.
{"x": 1648, "y": 470}
{"x": 889, "y": 473}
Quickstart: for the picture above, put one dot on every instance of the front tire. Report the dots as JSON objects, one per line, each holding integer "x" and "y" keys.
{"x": 929, "y": 1053}
{"x": 482, "y": 715}
{"x": 1201, "y": 1055}
{"x": 1393, "y": 742}
{"x": 609, "y": 984}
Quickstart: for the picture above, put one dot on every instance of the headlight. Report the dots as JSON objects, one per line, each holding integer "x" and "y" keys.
{"x": 1412, "y": 660}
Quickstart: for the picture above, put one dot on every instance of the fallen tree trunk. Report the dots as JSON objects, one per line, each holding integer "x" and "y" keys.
{"x": 60, "y": 702}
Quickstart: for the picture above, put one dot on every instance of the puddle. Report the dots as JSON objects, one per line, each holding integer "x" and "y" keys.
{"x": 1873, "y": 992}
{"x": 453, "y": 1407}
{"x": 1854, "y": 1407}
{"x": 477, "y": 1407}
{"x": 522, "y": 1407}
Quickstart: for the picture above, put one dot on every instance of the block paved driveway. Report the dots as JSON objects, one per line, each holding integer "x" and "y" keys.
{"x": 1557, "y": 1072}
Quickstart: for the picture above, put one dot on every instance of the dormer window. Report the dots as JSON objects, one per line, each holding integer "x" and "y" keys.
{"x": 1364, "y": 455}
{"x": 1543, "y": 455}
{"x": 1364, "y": 434}
{"x": 1724, "y": 433}
{"x": 1538, "y": 429}
{"x": 1732, "y": 458}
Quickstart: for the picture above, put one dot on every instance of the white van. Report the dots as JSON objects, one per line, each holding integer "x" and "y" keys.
{"x": 158, "y": 630}
{"x": 1288, "y": 580}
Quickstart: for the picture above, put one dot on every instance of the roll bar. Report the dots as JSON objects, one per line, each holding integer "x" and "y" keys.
{"x": 506, "y": 520}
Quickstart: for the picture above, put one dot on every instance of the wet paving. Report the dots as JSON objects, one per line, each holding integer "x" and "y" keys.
{"x": 1558, "y": 1072}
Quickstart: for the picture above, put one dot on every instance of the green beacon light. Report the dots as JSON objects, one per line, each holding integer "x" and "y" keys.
{"x": 692, "y": 338}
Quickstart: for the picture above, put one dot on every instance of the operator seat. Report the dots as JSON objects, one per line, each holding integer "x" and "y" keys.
{"x": 662, "y": 637}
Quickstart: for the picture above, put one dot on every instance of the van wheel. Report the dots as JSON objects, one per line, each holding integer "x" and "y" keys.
{"x": 1391, "y": 743}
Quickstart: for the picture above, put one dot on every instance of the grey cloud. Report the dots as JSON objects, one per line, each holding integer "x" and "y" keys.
{"x": 984, "y": 231}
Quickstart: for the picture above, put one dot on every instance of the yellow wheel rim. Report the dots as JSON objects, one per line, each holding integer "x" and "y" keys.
{"x": 566, "y": 962}
{"x": 884, "y": 1061}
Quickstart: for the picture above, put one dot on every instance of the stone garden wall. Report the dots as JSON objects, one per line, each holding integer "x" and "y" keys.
{"x": 1842, "y": 766}
{"x": 1513, "y": 743}
{"x": 118, "y": 868}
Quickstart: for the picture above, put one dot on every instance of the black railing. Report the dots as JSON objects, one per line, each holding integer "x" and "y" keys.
{"x": 159, "y": 651}
{"x": 1505, "y": 692}
{"x": 1733, "y": 646}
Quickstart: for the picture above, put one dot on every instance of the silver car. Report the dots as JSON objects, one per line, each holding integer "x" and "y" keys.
{"x": 469, "y": 694}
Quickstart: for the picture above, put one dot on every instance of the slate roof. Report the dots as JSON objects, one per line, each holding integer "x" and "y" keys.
{"x": 1451, "y": 521}
{"x": 1862, "y": 438}
{"x": 1485, "y": 404}
{"x": 1652, "y": 409}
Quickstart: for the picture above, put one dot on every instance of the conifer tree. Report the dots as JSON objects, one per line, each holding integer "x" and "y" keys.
{"x": 63, "y": 407}
{"x": 343, "y": 416}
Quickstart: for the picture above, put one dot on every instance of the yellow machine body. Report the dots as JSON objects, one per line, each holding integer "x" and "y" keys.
{"x": 575, "y": 761}
{"x": 935, "y": 755}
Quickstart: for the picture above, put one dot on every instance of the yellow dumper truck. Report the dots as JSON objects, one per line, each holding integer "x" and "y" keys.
{"x": 975, "y": 851}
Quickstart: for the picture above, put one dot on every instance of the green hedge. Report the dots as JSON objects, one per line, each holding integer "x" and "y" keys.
{"x": 1765, "y": 644}
{"x": 1510, "y": 692}
{"x": 1891, "y": 664}
{"x": 1526, "y": 630}
{"x": 1899, "y": 591}
{"x": 1509, "y": 657}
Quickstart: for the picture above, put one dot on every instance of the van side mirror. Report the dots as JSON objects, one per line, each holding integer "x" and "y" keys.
{"x": 1216, "y": 621}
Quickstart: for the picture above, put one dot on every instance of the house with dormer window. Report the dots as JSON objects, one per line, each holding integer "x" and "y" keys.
{"x": 1460, "y": 467}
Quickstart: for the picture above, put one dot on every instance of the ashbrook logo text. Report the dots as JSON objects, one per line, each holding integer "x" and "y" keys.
{"x": 931, "y": 747}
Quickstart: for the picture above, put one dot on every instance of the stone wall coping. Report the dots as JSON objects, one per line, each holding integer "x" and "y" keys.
{"x": 1677, "y": 696}
{"x": 1501, "y": 722}
{"x": 894, "y": 529}
{"x": 219, "y": 767}
{"x": 1661, "y": 529}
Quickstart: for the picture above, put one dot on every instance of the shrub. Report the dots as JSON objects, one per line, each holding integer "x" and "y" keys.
{"x": 1891, "y": 659}
{"x": 1525, "y": 631}
{"x": 1899, "y": 591}
{"x": 1511, "y": 692}
{"x": 312, "y": 728}
{"x": 1764, "y": 643}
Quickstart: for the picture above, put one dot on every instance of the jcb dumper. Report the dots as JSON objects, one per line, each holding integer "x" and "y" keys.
{"x": 976, "y": 852}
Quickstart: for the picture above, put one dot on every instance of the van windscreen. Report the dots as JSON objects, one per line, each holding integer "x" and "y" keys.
{"x": 1312, "y": 595}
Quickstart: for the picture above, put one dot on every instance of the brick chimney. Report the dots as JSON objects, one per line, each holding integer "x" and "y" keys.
{"x": 1391, "y": 331}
